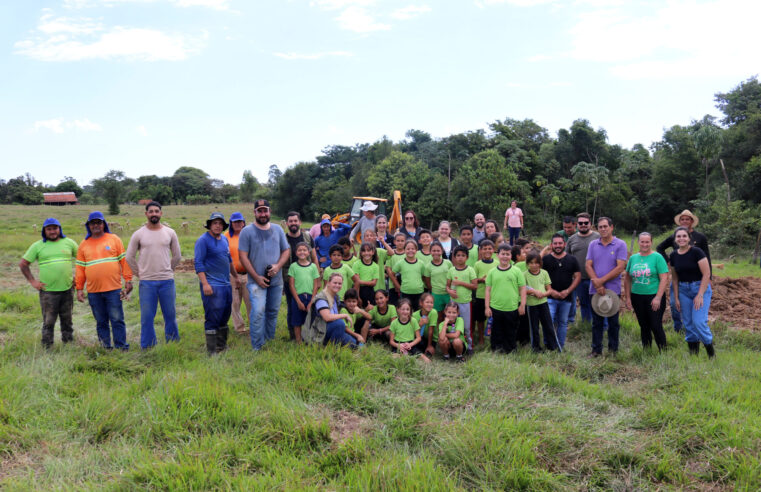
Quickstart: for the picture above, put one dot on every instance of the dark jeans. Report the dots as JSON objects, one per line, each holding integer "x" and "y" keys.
{"x": 515, "y": 233}
{"x": 55, "y": 305}
{"x": 288, "y": 300}
{"x": 598, "y": 329}
{"x": 217, "y": 308}
{"x": 585, "y": 300}
{"x": 504, "y": 329}
{"x": 540, "y": 314}
{"x": 676, "y": 316}
{"x": 650, "y": 322}
{"x": 336, "y": 333}
{"x": 107, "y": 307}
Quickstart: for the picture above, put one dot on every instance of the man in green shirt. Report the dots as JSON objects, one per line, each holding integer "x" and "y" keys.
{"x": 55, "y": 254}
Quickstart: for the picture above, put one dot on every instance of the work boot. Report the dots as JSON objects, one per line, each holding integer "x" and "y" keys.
{"x": 222, "y": 339}
{"x": 211, "y": 341}
{"x": 709, "y": 350}
{"x": 694, "y": 347}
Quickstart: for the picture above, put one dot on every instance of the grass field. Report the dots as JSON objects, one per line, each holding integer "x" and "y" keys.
{"x": 325, "y": 418}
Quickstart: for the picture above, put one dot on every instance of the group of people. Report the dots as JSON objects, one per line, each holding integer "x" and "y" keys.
{"x": 421, "y": 292}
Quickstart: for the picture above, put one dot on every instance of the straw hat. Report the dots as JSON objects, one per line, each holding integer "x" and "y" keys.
{"x": 688, "y": 213}
{"x": 606, "y": 305}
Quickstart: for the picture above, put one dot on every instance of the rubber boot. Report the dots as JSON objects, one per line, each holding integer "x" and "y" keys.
{"x": 709, "y": 350}
{"x": 211, "y": 342}
{"x": 694, "y": 347}
{"x": 221, "y": 339}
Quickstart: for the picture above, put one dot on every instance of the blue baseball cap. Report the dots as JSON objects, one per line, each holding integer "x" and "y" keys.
{"x": 236, "y": 216}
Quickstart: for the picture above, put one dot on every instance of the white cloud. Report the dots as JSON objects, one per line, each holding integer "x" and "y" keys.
{"x": 142, "y": 131}
{"x": 312, "y": 56}
{"x": 212, "y": 4}
{"x": 69, "y": 39}
{"x": 516, "y": 3}
{"x": 681, "y": 38}
{"x": 59, "y": 125}
{"x": 341, "y": 4}
{"x": 410, "y": 12}
{"x": 358, "y": 19}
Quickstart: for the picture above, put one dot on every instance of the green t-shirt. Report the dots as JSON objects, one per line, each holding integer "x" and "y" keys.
{"x": 536, "y": 282}
{"x": 345, "y": 271}
{"x": 382, "y": 258}
{"x": 412, "y": 275}
{"x": 303, "y": 277}
{"x": 350, "y": 262}
{"x": 366, "y": 272}
{"x": 382, "y": 320}
{"x": 644, "y": 271}
{"x": 433, "y": 318}
{"x": 458, "y": 326}
{"x": 482, "y": 268}
{"x": 404, "y": 332}
{"x": 422, "y": 256}
{"x": 438, "y": 275}
{"x": 55, "y": 259}
{"x": 505, "y": 288}
{"x": 472, "y": 255}
{"x": 521, "y": 265}
{"x": 467, "y": 274}
{"x": 357, "y": 320}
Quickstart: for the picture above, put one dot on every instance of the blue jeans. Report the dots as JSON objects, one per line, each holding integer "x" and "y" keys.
{"x": 265, "y": 304}
{"x": 572, "y": 309}
{"x": 598, "y": 329}
{"x": 217, "y": 307}
{"x": 695, "y": 321}
{"x": 515, "y": 233}
{"x": 107, "y": 307}
{"x": 585, "y": 300}
{"x": 152, "y": 293}
{"x": 559, "y": 311}
{"x": 336, "y": 333}
{"x": 676, "y": 316}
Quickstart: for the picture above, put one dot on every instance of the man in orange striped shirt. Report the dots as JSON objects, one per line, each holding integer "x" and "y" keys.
{"x": 101, "y": 265}
{"x": 240, "y": 293}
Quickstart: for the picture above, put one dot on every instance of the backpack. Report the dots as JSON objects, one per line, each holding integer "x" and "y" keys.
{"x": 315, "y": 328}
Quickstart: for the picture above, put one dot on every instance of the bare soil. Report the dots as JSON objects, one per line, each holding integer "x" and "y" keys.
{"x": 737, "y": 301}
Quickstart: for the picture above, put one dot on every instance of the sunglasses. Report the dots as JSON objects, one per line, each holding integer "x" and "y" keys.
{"x": 409, "y": 218}
{"x": 583, "y": 223}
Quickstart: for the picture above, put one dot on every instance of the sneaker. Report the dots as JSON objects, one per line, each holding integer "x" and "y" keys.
{"x": 446, "y": 357}
{"x": 459, "y": 358}
{"x": 593, "y": 355}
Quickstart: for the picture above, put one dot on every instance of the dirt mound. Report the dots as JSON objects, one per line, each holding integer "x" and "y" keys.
{"x": 737, "y": 301}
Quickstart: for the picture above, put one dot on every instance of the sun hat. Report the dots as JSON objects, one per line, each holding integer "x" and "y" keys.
{"x": 606, "y": 305}
{"x": 49, "y": 222}
{"x": 96, "y": 216}
{"x": 368, "y": 206}
{"x": 688, "y": 213}
{"x": 214, "y": 216}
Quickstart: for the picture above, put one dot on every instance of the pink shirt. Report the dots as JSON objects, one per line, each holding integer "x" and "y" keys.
{"x": 514, "y": 217}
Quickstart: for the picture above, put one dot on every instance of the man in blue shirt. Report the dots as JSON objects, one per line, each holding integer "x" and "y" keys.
{"x": 263, "y": 250}
{"x": 214, "y": 266}
{"x": 327, "y": 238}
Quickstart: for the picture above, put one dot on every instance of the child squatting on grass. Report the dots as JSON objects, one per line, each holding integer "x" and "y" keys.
{"x": 405, "y": 334}
{"x": 452, "y": 333}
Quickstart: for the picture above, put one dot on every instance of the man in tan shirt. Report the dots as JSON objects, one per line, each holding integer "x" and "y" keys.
{"x": 159, "y": 255}
{"x": 240, "y": 292}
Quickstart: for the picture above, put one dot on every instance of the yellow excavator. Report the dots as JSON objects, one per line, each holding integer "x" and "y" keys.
{"x": 354, "y": 214}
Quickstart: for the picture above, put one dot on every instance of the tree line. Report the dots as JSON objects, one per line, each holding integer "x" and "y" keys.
{"x": 712, "y": 166}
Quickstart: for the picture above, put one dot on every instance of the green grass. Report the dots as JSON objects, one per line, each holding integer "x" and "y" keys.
{"x": 310, "y": 418}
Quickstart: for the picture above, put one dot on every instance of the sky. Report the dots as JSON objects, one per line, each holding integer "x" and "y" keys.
{"x": 147, "y": 86}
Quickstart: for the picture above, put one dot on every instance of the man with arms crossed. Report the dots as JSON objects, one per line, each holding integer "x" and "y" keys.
{"x": 55, "y": 254}
{"x": 577, "y": 245}
{"x": 159, "y": 251}
{"x": 263, "y": 251}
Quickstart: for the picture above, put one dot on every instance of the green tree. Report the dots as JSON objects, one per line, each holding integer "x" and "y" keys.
{"x": 188, "y": 180}
{"x": 399, "y": 171}
{"x": 69, "y": 184}
{"x": 248, "y": 187}
{"x": 111, "y": 187}
{"x": 485, "y": 183}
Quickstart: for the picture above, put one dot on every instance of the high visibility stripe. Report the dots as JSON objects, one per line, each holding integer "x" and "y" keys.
{"x": 101, "y": 260}
{"x": 59, "y": 260}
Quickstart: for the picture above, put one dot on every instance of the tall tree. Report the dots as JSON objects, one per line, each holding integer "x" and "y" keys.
{"x": 111, "y": 187}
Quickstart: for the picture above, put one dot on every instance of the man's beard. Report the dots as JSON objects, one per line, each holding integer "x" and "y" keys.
{"x": 293, "y": 228}
{"x": 261, "y": 220}
{"x": 155, "y": 219}
{"x": 558, "y": 251}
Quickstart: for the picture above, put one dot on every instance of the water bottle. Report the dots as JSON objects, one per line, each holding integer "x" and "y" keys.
{"x": 488, "y": 326}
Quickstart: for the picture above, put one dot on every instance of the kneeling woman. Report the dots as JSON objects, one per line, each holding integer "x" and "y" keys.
{"x": 338, "y": 326}
{"x": 691, "y": 278}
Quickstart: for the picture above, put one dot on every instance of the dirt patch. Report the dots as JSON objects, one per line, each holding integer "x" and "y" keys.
{"x": 186, "y": 266}
{"x": 17, "y": 464}
{"x": 737, "y": 301}
{"x": 344, "y": 425}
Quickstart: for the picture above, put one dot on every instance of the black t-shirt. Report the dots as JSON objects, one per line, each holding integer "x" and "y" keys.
{"x": 293, "y": 241}
{"x": 686, "y": 265}
{"x": 561, "y": 271}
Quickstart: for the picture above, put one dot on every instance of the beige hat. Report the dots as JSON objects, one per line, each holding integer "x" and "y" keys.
{"x": 368, "y": 206}
{"x": 606, "y": 305}
{"x": 687, "y": 212}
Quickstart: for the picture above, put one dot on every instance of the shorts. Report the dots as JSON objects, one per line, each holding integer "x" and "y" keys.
{"x": 479, "y": 309}
{"x": 415, "y": 350}
{"x": 297, "y": 316}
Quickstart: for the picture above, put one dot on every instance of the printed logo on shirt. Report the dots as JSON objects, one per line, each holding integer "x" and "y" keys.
{"x": 108, "y": 248}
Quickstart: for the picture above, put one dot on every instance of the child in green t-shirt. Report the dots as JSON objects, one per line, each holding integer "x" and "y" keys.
{"x": 370, "y": 237}
{"x": 427, "y": 318}
{"x": 461, "y": 283}
{"x": 424, "y": 239}
{"x": 436, "y": 275}
{"x": 404, "y": 335}
{"x": 466, "y": 239}
{"x": 452, "y": 333}
{"x": 411, "y": 269}
{"x": 482, "y": 268}
{"x": 538, "y": 288}
{"x": 396, "y": 278}
{"x": 505, "y": 301}
{"x": 360, "y": 319}
{"x": 348, "y": 257}
{"x": 339, "y": 267}
{"x": 381, "y": 316}
{"x": 366, "y": 273}
{"x": 304, "y": 283}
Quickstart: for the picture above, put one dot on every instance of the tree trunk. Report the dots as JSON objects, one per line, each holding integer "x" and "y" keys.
{"x": 755, "y": 250}
{"x": 726, "y": 179}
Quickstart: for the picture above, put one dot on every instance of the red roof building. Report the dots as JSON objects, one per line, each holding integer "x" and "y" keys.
{"x": 60, "y": 198}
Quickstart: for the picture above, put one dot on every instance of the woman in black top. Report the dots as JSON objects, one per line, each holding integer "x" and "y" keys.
{"x": 411, "y": 225}
{"x": 691, "y": 277}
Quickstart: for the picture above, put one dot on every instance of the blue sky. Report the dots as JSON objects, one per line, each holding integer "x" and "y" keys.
{"x": 146, "y": 86}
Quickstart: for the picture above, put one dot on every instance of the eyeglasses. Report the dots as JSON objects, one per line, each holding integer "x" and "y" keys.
{"x": 409, "y": 218}
{"x": 583, "y": 223}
